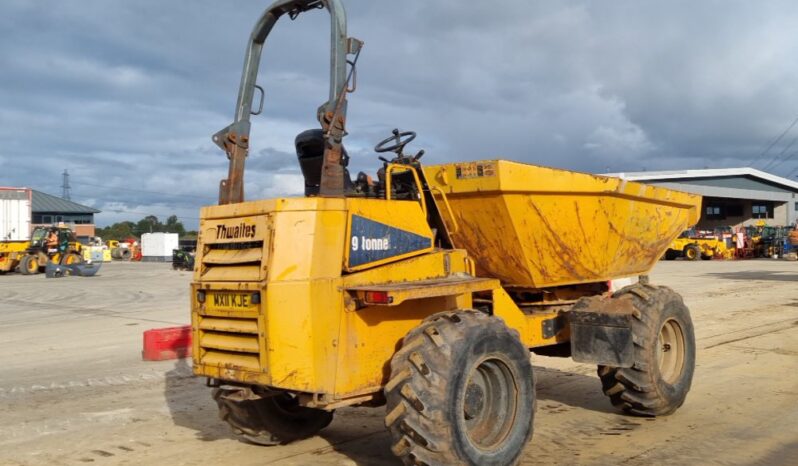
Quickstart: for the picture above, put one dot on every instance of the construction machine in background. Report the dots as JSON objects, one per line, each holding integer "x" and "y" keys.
{"x": 693, "y": 248}
{"x": 425, "y": 288}
{"x": 11, "y": 252}
{"x": 38, "y": 254}
{"x": 31, "y": 257}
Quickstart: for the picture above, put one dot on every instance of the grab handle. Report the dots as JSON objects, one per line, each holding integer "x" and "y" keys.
{"x": 455, "y": 226}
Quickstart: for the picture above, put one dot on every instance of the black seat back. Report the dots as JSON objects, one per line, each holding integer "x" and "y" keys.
{"x": 310, "y": 152}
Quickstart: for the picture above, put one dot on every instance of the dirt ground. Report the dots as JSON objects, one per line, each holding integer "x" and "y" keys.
{"x": 73, "y": 388}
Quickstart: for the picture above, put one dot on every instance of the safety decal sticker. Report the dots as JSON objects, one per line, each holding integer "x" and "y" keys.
{"x": 474, "y": 170}
{"x": 372, "y": 241}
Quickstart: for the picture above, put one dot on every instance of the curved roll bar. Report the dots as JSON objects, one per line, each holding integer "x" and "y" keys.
{"x": 234, "y": 139}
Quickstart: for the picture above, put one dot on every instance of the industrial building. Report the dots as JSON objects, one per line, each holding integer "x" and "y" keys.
{"x": 732, "y": 196}
{"x": 49, "y": 210}
{"x": 22, "y": 209}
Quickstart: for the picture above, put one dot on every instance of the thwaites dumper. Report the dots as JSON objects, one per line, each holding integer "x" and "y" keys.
{"x": 427, "y": 289}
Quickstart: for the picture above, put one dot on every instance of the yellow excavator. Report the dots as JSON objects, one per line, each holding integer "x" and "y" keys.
{"x": 426, "y": 289}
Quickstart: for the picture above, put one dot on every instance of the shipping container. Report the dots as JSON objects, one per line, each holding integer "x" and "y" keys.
{"x": 158, "y": 246}
{"x": 15, "y": 214}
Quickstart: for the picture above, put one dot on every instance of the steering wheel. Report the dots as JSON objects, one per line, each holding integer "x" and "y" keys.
{"x": 399, "y": 139}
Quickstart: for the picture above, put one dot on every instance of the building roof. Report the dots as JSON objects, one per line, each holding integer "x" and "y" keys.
{"x": 673, "y": 175}
{"x": 43, "y": 202}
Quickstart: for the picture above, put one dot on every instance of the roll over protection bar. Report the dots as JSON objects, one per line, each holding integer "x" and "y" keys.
{"x": 234, "y": 139}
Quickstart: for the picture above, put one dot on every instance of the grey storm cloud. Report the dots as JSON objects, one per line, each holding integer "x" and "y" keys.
{"x": 126, "y": 94}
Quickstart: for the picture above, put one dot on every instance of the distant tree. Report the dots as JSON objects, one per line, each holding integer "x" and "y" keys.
{"x": 173, "y": 225}
{"x": 118, "y": 231}
{"x": 149, "y": 224}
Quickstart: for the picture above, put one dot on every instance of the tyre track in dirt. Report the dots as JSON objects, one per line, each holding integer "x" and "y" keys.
{"x": 746, "y": 355}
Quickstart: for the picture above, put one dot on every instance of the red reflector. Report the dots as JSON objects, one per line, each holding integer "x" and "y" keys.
{"x": 378, "y": 297}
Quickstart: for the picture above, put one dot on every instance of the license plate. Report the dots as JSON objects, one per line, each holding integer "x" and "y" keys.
{"x": 230, "y": 301}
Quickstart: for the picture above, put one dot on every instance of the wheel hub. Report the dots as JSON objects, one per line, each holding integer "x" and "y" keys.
{"x": 671, "y": 351}
{"x": 490, "y": 402}
{"x": 474, "y": 401}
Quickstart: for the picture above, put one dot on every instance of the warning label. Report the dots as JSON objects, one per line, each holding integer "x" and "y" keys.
{"x": 474, "y": 170}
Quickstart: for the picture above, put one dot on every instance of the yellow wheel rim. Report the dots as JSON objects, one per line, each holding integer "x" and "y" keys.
{"x": 670, "y": 351}
{"x": 33, "y": 265}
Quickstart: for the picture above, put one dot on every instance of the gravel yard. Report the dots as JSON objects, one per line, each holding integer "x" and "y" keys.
{"x": 74, "y": 389}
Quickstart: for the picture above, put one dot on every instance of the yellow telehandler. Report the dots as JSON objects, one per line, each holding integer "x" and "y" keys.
{"x": 31, "y": 257}
{"x": 692, "y": 247}
{"x": 427, "y": 288}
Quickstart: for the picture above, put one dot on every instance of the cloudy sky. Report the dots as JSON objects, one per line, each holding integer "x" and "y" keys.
{"x": 125, "y": 95}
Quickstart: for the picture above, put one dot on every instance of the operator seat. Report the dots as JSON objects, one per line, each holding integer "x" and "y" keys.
{"x": 310, "y": 152}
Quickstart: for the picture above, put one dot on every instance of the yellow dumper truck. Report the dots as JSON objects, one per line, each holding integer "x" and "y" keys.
{"x": 427, "y": 288}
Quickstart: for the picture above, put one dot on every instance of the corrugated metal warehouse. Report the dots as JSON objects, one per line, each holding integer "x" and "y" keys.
{"x": 41, "y": 209}
{"x": 49, "y": 210}
{"x": 732, "y": 196}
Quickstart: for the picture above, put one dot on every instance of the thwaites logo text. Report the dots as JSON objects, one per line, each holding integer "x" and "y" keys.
{"x": 240, "y": 231}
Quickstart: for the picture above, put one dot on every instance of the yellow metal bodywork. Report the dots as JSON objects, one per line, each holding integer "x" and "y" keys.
{"x": 11, "y": 253}
{"x": 539, "y": 227}
{"x": 292, "y": 252}
{"x": 277, "y": 300}
{"x": 311, "y": 332}
{"x": 710, "y": 247}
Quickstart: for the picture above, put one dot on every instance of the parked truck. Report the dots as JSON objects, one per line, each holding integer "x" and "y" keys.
{"x": 426, "y": 288}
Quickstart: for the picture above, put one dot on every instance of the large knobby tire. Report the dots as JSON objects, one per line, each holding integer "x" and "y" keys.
{"x": 664, "y": 354}
{"x": 671, "y": 254}
{"x": 29, "y": 265}
{"x": 269, "y": 421}
{"x": 692, "y": 252}
{"x": 461, "y": 391}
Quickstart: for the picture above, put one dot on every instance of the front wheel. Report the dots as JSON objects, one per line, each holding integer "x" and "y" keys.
{"x": 29, "y": 265}
{"x": 692, "y": 252}
{"x": 664, "y": 354}
{"x": 461, "y": 392}
{"x": 273, "y": 420}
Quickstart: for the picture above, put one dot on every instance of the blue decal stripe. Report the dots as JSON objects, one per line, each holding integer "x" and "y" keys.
{"x": 372, "y": 241}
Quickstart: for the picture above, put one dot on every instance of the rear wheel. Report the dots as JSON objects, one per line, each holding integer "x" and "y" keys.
{"x": 671, "y": 254}
{"x": 29, "y": 265}
{"x": 692, "y": 252}
{"x": 664, "y": 354}
{"x": 272, "y": 420}
{"x": 461, "y": 392}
